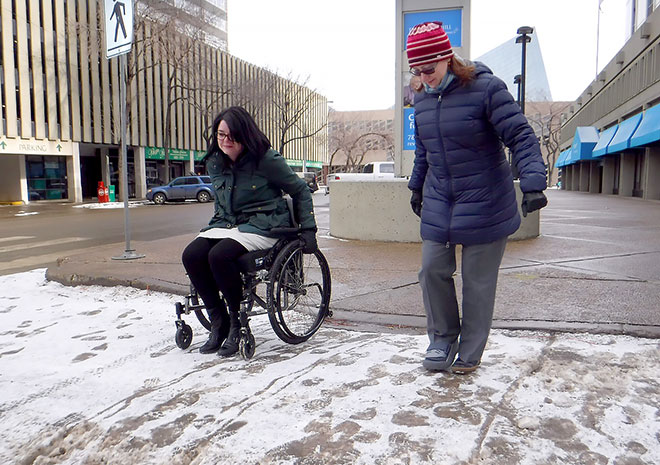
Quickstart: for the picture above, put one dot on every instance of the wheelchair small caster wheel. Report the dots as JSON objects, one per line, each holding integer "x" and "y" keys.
{"x": 183, "y": 336}
{"x": 246, "y": 346}
{"x": 178, "y": 306}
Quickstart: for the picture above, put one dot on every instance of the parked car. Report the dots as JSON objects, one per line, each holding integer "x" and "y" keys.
{"x": 371, "y": 171}
{"x": 310, "y": 179}
{"x": 182, "y": 188}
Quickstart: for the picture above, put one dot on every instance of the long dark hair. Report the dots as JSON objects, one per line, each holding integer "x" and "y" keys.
{"x": 243, "y": 130}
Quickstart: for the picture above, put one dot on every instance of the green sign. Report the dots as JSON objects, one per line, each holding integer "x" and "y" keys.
{"x": 308, "y": 163}
{"x": 199, "y": 154}
{"x": 158, "y": 153}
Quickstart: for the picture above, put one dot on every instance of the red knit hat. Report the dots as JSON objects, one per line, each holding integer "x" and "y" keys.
{"x": 428, "y": 43}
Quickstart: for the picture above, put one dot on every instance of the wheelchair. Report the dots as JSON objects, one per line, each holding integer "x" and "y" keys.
{"x": 296, "y": 299}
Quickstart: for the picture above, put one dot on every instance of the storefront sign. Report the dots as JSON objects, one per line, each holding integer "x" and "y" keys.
{"x": 158, "y": 153}
{"x": 34, "y": 147}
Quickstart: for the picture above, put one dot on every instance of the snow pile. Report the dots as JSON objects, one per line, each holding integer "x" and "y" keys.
{"x": 92, "y": 375}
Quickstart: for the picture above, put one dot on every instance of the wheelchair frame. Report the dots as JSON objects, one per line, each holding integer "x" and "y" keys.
{"x": 282, "y": 269}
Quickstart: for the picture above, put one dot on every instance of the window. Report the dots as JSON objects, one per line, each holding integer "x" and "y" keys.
{"x": 192, "y": 181}
{"x": 206, "y": 179}
{"x": 179, "y": 182}
{"x": 387, "y": 168}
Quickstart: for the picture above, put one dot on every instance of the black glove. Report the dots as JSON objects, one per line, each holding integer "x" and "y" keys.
{"x": 533, "y": 201}
{"x": 308, "y": 238}
{"x": 416, "y": 202}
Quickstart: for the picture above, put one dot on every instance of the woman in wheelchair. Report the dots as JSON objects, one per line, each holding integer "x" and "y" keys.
{"x": 248, "y": 178}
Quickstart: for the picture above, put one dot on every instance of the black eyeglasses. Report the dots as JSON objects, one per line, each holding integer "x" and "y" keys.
{"x": 425, "y": 70}
{"x": 222, "y": 136}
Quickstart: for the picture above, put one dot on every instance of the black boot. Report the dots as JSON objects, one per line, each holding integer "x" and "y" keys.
{"x": 219, "y": 331}
{"x": 230, "y": 346}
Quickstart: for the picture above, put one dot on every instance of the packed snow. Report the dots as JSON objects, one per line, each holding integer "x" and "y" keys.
{"x": 92, "y": 375}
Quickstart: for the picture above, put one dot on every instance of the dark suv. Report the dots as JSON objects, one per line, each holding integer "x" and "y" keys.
{"x": 183, "y": 188}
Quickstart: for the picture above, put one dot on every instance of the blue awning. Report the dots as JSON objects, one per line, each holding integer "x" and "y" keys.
{"x": 584, "y": 141}
{"x": 573, "y": 156}
{"x": 561, "y": 159}
{"x": 603, "y": 141}
{"x": 621, "y": 140}
{"x": 649, "y": 129}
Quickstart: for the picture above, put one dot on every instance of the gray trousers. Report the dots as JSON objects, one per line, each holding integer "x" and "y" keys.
{"x": 479, "y": 269}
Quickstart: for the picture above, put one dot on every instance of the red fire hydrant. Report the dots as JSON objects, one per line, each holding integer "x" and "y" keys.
{"x": 102, "y": 193}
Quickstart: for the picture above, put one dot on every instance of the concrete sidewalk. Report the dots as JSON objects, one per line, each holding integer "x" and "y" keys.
{"x": 595, "y": 267}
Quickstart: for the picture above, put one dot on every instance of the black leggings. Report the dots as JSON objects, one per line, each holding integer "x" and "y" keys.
{"x": 211, "y": 267}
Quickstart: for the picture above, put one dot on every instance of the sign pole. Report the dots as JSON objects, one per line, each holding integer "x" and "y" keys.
{"x": 129, "y": 254}
{"x": 119, "y": 39}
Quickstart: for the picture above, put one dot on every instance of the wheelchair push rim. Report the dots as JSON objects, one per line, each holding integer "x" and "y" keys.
{"x": 298, "y": 293}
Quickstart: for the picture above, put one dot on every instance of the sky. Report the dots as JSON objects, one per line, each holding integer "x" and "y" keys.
{"x": 91, "y": 374}
{"x": 346, "y": 49}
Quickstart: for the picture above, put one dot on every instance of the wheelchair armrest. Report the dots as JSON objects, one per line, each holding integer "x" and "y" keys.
{"x": 285, "y": 232}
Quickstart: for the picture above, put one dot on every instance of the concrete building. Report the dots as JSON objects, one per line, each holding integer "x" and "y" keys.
{"x": 209, "y": 17}
{"x": 610, "y": 139}
{"x": 359, "y": 137}
{"x": 60, "y": 108}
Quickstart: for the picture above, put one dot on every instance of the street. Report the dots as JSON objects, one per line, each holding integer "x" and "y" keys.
{"x": 36, "y": 235}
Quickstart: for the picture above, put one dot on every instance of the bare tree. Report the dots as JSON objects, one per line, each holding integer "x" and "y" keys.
{"x": 545, "y": 119}
{"x": 350, "y": 142}
{"x": 294, "y": 104}
{"x": 180, "y": 30}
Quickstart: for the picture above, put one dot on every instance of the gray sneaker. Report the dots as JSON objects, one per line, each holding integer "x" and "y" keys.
{"x": 440, "y": 359}
{"x": 462, "y": 368}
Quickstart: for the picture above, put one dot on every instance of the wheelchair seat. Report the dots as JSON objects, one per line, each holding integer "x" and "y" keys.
{"x": 252, "y": 262}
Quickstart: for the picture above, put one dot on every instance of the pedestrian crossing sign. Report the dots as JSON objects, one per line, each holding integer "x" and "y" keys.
{"x": 118, "y": 27}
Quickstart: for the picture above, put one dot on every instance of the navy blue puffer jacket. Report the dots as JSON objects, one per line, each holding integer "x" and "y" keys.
{"x": 460, "y": 165}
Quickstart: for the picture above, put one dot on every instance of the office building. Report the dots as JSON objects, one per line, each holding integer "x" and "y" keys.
{"x": 60, "y": 105}
{"x": 610, "y": 139}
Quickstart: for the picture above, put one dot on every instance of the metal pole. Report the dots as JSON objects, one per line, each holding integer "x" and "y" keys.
{"x": 129, "y": 254}
{"x": 522, "y": 79}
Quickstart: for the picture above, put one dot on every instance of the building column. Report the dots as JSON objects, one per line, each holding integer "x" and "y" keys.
{"x": 189, "y": 164}
{"x": 608, "y": 174}
{"x": 105, "y": 166}
{"x": 567, "y": 178}
{"x": 13, "y": 179}
{"x": 140, "y": 173}
{"x": 627, "y": 176}
{"x": 575, "y": 182}
{"x": 594, "y": 177}
{"x": 584, "y": 176}
{"x": 652, "y": 174}
{"x": 22, "y": 170}
{"x": 74, "y": 183}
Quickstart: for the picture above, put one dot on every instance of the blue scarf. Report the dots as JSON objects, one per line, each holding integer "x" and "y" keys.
{"x": 449, "y": 76}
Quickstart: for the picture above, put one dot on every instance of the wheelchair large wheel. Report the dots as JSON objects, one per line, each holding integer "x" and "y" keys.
{"x": 298, "y": 293}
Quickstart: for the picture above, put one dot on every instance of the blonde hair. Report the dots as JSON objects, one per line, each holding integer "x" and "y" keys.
{"x": 462, "y": 69}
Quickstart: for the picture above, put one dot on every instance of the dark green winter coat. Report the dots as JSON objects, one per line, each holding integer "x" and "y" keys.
{"x": 249, "y": 194}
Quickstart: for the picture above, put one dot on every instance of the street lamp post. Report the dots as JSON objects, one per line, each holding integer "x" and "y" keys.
{"x": 523, "y": 38}
{"x": 516, "y": 80}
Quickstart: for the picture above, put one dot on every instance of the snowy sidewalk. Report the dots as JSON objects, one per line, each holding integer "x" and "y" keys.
{"x": 92, "y": 375}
